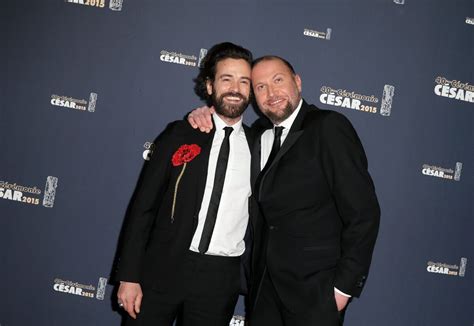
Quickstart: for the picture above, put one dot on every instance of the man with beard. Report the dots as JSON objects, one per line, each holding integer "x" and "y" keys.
{"x": 314, "y": 212}
{"x": 184, "y": 236}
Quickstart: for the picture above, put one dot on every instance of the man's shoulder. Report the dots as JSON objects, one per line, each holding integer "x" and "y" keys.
{"x": 329, "y": 125}
{"x": 316, "y": 115}
{"x": 179, "y": 128}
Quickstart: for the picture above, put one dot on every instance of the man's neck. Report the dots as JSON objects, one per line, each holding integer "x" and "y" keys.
{"x": 229, "y": 121}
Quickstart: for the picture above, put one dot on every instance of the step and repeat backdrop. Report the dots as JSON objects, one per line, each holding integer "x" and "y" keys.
{"x": 88, "y": 84}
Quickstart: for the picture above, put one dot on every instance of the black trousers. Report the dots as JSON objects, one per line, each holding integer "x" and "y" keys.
{"x": 206, "y": 297}
{"x": 269, "y": 309}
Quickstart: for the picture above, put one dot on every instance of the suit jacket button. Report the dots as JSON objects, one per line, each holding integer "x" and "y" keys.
{"x": 272, "y": 227}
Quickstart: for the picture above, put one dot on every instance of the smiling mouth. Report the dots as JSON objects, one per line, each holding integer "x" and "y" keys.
{"x": 276, "y": 102}
{"x": 233, "y": 98}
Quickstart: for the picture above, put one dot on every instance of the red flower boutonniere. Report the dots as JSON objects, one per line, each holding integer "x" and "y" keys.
{"x": 184, "y": 155}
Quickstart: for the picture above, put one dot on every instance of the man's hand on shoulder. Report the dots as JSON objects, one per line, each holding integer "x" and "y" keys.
{"x": 201, "y": 118}
{"x": 130, "y": 295}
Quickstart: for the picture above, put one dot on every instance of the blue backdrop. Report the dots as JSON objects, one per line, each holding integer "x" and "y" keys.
{"x": 87, "y": 84}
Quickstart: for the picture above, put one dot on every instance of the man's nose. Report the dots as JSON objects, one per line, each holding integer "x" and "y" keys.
{"x": 270, "y": 91}
{"x": 235, "y": 87}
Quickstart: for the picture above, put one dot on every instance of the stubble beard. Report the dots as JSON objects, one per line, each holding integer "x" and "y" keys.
{"x": 280, "y": 116}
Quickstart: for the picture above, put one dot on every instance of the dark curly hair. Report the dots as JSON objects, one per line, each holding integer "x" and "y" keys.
{"x": 207, "y": 70}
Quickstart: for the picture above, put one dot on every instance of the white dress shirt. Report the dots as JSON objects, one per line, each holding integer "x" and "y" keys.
{"x": 268, "y": 136}
{"x": 232, "y": 215}
{"x": 267, "y": 143}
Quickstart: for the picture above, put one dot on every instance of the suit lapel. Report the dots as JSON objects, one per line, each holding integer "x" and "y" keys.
{"x": 295, "y": 132}
{"x": 256, "y": 158}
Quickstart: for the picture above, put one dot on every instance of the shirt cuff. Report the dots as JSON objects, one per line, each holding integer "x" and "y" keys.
{"x": 342, "y": 293}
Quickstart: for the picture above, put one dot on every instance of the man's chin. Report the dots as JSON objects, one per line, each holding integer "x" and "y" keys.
{"x": 231, "y": 111}
{"x": 277, "y": 116}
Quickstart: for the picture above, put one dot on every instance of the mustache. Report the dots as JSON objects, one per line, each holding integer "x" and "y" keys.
{"x": 274, "y": 98}
{"x": 233, "y": 94}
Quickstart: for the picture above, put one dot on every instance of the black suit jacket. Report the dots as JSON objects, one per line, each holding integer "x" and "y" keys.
{"x": 316, "y": 217}
{"x": 153, "y": 247}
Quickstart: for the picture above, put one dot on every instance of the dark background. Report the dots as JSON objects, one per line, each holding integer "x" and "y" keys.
{"x": 60, "y": 48}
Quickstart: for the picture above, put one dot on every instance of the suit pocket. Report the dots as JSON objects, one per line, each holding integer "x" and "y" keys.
{"x": 318, "y": 248}
{"x": 336, "y": 313}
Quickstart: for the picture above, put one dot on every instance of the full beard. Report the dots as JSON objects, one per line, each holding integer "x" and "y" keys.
{"x": 227, "y": 110}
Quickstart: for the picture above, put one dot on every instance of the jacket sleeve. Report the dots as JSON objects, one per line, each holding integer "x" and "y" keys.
{"x": 143, "y": 208}
{"x": 345, "y": 167}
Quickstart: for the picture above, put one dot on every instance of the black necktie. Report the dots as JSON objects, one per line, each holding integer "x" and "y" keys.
{"x": 275, "y": 148}
{"x": 219, "y": 177}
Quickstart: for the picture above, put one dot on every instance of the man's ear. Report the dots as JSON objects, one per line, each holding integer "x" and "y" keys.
{"x": 209, "y": 86}
{"x": 298, "y": 82}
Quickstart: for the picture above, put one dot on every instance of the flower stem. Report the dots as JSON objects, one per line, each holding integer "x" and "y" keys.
{"x": 176, "y": 191}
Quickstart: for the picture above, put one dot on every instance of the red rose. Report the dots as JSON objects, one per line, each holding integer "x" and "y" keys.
{"x": 185, "y": 153}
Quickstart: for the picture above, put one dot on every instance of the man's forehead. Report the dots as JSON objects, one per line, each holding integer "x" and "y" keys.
{"x": 272, "y": 65}
{"x": 231, "y": 64}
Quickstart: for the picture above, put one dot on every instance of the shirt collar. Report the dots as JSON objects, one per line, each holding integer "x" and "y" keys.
{"x": 220, "y": 124}
{"x": 288, "y": 122}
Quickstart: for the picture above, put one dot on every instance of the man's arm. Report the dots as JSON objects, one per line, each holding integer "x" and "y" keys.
{"x": 145, "y": 202}
{"x": 345, "y": 167}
